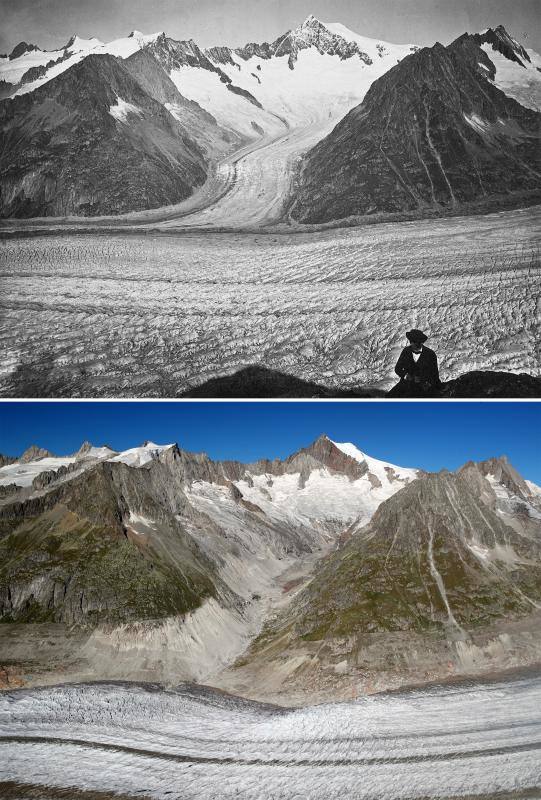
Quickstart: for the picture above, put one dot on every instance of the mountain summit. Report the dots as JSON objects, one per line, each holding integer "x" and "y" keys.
{"x": 368, "y": 127}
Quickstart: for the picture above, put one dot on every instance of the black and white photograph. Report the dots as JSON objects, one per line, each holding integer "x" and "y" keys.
{"x": 270, "y": 400}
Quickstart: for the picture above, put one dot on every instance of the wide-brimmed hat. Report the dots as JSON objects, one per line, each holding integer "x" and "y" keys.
{"x": 416, "y": 336}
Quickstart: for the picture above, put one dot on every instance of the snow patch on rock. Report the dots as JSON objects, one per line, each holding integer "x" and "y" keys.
{"x": 381, "y": 469}
{"x": 522, "y": 83}
{"x": 121, "y": 109}
{"x": 139, "y": 456}
{"x": 477, "y": 123}
{"x": 138, "y": 519}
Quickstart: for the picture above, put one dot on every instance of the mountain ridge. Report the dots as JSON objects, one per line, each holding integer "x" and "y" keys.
{"x": 433, "y": 131}
{"x": 204, "y": 549}
{"x": 234, "y": 97}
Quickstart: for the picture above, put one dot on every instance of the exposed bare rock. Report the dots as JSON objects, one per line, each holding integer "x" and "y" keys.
{"x": 22, "y": 48}
{"x": 503, "y": 43}
{"x": 426, "y": 588}
{"x": 33, "y": 453}
{"x": 486, "y": 383}
{"x": 130, "y": 153}
{"x": 432, "y": 132}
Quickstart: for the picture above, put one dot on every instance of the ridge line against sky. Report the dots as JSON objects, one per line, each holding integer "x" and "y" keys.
{"x": 431, "y": 436}
{"x": 50, "y": 23}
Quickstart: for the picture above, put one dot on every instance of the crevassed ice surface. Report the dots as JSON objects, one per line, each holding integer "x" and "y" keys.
{"x": 454, "y": 741}
{"x": 150, "y": 316}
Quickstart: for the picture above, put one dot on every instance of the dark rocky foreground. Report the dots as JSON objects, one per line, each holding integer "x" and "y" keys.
{"x": 492, "y": 384}
{"x": 258, "y": 381}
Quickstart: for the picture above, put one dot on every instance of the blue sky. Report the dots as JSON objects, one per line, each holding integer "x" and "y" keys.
{"x": 426, "y": 435}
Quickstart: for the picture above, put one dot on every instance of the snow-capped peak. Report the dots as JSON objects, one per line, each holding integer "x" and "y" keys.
{"x": 310, "y": 20}
{"x": 77, "y": 44}
{"x": 139, "y": 456}
{"x": 381, "y": 469}
{"x": 145, "y": 38}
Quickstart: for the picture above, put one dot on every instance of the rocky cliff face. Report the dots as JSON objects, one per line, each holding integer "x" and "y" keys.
{"x": 503, "y": 43}
{"x": 433, "y": 132}
{"x": 81, "y": 552}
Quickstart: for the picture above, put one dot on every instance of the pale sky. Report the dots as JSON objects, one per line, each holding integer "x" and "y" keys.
{"x": 50, "y": 23}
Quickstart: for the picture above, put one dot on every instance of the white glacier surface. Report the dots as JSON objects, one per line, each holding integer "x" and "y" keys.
{"x": 194, "y": 742}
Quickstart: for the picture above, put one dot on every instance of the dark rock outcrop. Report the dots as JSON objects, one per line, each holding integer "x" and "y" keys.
{"x": 485, "y": 383}
{"x": 503, "y": 43}
{"x": 22, "y": 48}
{"x": 259, "y": 381}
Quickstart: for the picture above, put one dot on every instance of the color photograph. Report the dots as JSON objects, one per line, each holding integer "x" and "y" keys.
{"x": 270, "y": 600}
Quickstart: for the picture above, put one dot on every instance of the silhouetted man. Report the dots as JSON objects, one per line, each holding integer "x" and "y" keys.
{"x": 417, "y": 369}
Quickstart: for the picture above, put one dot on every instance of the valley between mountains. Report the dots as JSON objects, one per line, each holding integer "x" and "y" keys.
{"x": 173, "y": 214}
{"x": 324, "y": 576}
{"x": 321, "y": 126}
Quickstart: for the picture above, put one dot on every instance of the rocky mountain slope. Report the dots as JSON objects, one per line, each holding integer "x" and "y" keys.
{"x": 444, "y": 579}
{"x": 308, "y": 569}
{"x": 209, "y": 102}
{"x": 194, "y": 547}
{"x": 93, "y": 140}
{"x": 445, "y": 127}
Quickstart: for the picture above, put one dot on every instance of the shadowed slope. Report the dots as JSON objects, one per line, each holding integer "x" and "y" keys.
{"x": 93, "y": 141}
